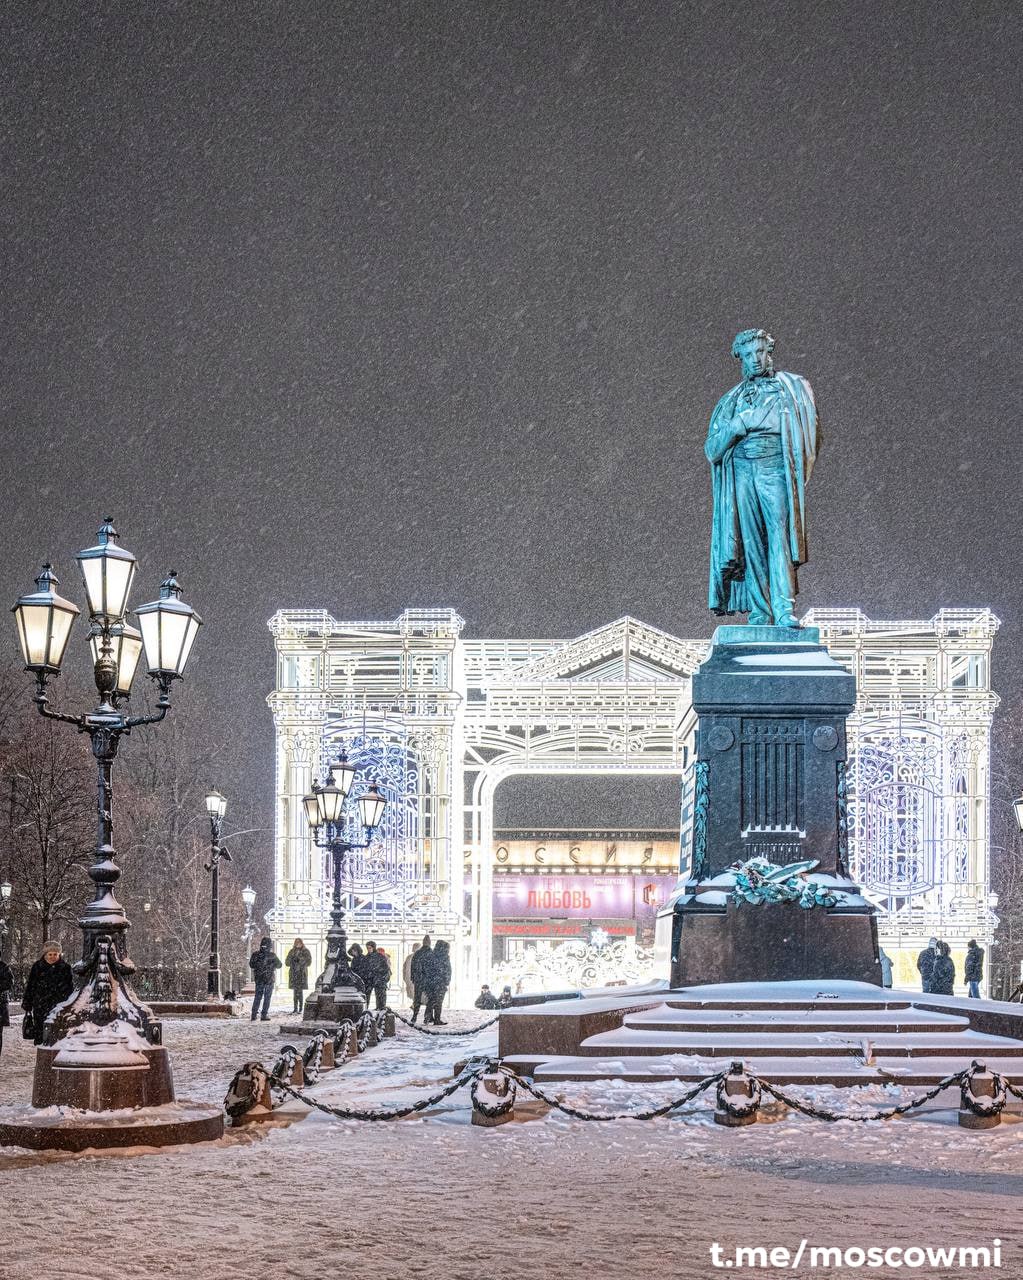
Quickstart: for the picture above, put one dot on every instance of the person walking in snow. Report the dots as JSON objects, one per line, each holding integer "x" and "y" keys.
{"x": 420, "y": 962}
{"x": 6, "y": 985}
{"x": 436, "y": 980}
{"x": 974, "y": 969}
{"x": 264, "y": 964}
{"x": 50, "y": 981}
{"x": 406, "y": 971}
{"x": 505, "y": 999}
{"x": 298, "y": 960}
{"x": 943, "y": 975}
{"x": 925, "y": 963}
{"x": 886, "y": 967}
{"x": 378, "y": 974}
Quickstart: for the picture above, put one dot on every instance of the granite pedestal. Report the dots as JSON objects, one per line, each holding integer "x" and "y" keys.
{"x": 769, "y": 782}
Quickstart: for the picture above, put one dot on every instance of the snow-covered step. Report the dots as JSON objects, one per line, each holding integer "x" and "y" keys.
{"x": 725, "y": 1044}
{"x": 667, "y": 1017}
{"x": 783, "y": 1003}
{"x": 780, "y": 1070}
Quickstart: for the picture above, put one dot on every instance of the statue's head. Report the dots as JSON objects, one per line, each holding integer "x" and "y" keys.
{"x": 753, "y": 347}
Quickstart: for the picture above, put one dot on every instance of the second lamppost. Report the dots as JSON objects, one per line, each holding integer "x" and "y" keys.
{"x": 338, "y": 993}
{"x": 6, "y": 889}
{"x": 216, "y": 807}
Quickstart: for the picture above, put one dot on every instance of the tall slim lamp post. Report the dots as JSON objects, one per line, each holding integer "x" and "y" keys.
{"x": 248, "y": 933}
{"x": 168, "y": 626}
{"x": 337, "y": 994}
{"x": 216, "y": 807}
{"x": 6, "y": 889}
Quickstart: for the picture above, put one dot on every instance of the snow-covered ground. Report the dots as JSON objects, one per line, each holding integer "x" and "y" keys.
{"x": 545, "y": 1196}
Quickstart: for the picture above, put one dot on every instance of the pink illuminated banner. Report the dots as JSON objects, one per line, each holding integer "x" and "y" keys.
{"x": 579, "y": 897}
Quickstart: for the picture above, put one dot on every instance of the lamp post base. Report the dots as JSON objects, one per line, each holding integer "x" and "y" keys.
{"x": 334, "y": 1006}
{"x": 164, "y": 1126}
{"x": 103, "y": 1087}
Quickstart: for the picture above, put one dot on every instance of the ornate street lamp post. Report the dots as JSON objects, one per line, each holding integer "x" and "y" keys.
{"x": 337, "y": 994}
{"x": 103, "y": 992}
{"x": 248, "y": 933}
{"x": 216, "y": 807}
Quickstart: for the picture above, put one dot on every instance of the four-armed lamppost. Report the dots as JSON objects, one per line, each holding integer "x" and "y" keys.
{"x": 103, "y": 991}
{"x": 216, "y": 807}
{"x": 337, "y": 994}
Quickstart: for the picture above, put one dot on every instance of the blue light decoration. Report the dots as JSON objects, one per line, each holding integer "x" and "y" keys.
{"x": 387, "y": 875}
{"x": 895, "y": 776}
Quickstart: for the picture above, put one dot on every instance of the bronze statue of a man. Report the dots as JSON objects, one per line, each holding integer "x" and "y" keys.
{"x": 763, "y": 439}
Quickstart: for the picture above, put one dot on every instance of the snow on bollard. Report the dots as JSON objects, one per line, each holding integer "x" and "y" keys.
{"x": 248, "y": 1098}
{"x": 297, "y": 1077}
{"x": 389, "y": 1025}
{"x": 982, "y": 1097}
{"x": 493, "y": 1099}
{"x": 327, "y": 1062}
{"x": 738, "y": 1098}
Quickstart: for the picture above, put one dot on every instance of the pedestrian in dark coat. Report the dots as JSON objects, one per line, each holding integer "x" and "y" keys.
{"x": 357, "y": 963}
{"x": 264, "y": 964}
{"x": 436, "y": 981}
{"x": 486, "y": 999}
{"x": 505, "y": 999}
{"x": 50, "y": 981}
{"x": 298, "y": 960}
{"x": 378, "y": 974}
{"x": 925, "y": 963}
{"x": 974, "y": 968}
{"x": 418, "y": 968}
{"x": 943, "y": 975}
{"x": 6, "y": 985}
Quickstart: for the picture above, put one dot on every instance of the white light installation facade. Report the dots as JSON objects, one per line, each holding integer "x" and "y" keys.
{"x": 439, "y": 721}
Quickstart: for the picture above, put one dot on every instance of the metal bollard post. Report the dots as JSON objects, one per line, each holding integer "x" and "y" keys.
{"x": 979, "y": 1086}
{"x": 493, "y": 1090}
{"x": 738, "y": 1098}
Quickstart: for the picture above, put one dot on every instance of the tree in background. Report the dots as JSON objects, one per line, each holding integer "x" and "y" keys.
{"x": 47, "y": 824}
{"x": 161, "y": 836}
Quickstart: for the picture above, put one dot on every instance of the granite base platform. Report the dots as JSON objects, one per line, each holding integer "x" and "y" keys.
{"x": 829, "y": 1032}
{"x": 68, "y": 1130}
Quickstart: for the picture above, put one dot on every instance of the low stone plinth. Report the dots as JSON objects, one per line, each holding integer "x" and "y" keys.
{"x": 69, "y": 1130}
{"x": 104, "y": 1088}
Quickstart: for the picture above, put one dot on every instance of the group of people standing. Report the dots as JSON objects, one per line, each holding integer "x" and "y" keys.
{"x": 373, "y": 969}
{"x": 937, "y": 971}
{"x": 426, "y": 974}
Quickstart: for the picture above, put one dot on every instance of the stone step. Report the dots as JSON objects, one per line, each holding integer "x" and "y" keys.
{"x": 852, "y": 1021}
{"x": 805, "y": 1006}
{"x": 727, "y": 1044}
{"x": 914, "y": 1073}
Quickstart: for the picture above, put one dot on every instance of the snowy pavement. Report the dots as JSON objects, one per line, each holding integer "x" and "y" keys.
{"x": 545, "y": 1196}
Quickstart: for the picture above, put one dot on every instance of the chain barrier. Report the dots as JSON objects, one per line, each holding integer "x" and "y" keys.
{"x": 887, "y": 1113}
{"x": 737, "y": 1105}
{"x": 312, "y": 1059}
{"x": 248, "y": 1083}
{"x": 653, "y": 1113}
{"x": 472, "y": 1072}
{"x": 424, "y": 1031}
{"x": 342, "y": 1039}
{"x": 284, "y": 1065}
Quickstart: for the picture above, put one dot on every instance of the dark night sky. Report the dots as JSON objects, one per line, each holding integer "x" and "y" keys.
{"x": 367, "y": 306}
